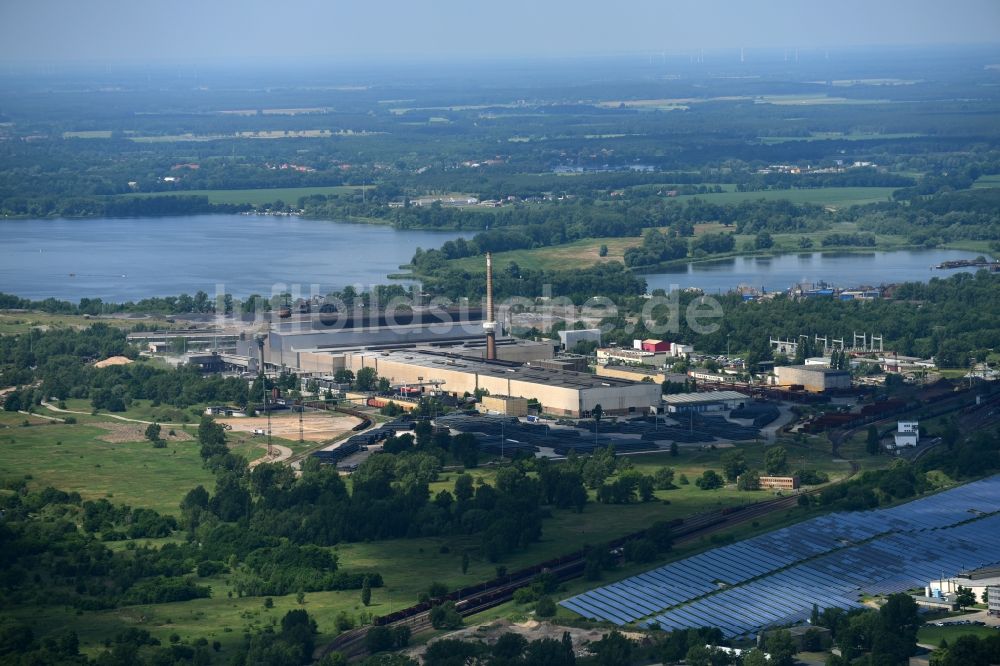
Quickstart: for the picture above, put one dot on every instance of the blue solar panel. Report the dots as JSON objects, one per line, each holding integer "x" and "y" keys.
{"x": 904, "y": 545}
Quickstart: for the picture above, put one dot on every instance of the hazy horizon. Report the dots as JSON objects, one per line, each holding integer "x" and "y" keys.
{"x": 114, "y": 31}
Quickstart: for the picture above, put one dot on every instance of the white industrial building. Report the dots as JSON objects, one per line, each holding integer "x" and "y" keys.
{"x": 907, "y": 434}
{"x": 977, "y": 580}
{"x": 627, "y": 356}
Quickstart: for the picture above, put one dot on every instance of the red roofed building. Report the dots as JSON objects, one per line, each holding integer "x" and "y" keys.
{"x": 655, "y": 346}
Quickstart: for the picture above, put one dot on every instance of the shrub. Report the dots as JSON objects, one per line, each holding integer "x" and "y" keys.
{"x": 445, "y": 616}
{"x": 545, "y": 607}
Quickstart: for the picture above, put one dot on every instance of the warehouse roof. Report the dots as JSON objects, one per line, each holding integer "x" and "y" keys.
{"x": 703, "y": 397}
{"x": 514, "y": 371}
{"x": 814, "y": 368}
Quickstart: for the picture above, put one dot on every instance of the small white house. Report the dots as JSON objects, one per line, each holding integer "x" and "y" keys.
{"x": 907, "y": 434}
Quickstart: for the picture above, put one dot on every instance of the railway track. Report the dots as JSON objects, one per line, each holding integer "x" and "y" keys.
{"x": 351, "y": 643}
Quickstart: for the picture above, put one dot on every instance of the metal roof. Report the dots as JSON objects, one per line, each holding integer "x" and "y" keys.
{"x": 704, "y": 397}
{"x": 503, "y": 369}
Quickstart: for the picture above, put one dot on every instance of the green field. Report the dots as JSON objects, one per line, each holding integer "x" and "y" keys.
{"x": 88, "y": 134}
{"x": 840, "y": 136}
{"x": 140, "y": 410}
{"x": 987, "y": 181}
{"x": 931, "y": 635}
{"x": 256, "y": 197}
{"x": 837, "y": 197}
{"x": 571, "y": 255}
{"x": 72, "y": 458}
{"x": 13, "y": 323}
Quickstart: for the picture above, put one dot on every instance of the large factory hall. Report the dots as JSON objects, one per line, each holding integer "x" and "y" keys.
{"x": 455, "y": 352}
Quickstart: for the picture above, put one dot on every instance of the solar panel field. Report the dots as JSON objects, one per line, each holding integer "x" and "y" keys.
{"x": 775, "y": 578}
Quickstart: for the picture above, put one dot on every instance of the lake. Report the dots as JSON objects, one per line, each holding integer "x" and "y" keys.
{"x": 779, "y": 272}
{"x": 129, "y": 259}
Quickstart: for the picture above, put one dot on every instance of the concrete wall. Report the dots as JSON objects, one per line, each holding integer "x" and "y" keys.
{"x": 811, "y": 379}
{"x": 621, "y": 400}
{"x": 498, "y": 404}
{"x": 319, "y": 362}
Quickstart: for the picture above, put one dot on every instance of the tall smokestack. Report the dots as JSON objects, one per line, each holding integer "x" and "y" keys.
{"x": 490, "y": 324}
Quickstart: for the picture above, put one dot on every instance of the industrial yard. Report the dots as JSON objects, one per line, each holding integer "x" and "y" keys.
{"x": 315, "y": 426}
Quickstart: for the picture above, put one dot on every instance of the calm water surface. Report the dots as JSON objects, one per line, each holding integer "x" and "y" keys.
{"x": 842, "y": 269}
{"x": 128, "y": 259}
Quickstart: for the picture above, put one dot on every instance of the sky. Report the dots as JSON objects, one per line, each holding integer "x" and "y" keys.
{"x": 328, "y": 30}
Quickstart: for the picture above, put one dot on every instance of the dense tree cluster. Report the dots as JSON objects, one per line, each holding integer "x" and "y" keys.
{"x": 656, "y": 248}
{"x": 59, "y": 360}
{"x": 556, "y": 224}
{"x": 888, "y": 635}
{"x": 875, "y": 487}
{"x": 952, "y": 319}
{"x": 509, "y": 650}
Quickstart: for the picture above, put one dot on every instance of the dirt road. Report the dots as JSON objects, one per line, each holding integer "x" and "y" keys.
{"x": 279, "y": 454}
{"x": 51, "y": 407}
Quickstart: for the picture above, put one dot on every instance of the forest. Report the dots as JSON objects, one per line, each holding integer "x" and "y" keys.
{"x": 952, "y": 319}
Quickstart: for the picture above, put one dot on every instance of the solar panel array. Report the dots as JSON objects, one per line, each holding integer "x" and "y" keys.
{"x": 776, "y": 578}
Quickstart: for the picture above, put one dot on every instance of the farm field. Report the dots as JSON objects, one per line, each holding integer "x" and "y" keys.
{"x": 257, "y": 134}
{"x": 840, "y": 136}
{"x": 87, "y": 134}
{"x": 259, "y": 196}
{"x": 837, "y": 197}
{"x": 992, "y": 180}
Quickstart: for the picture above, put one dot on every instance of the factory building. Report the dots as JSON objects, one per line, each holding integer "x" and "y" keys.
{"x": 503, "y": 405}
{"x": 977, "y": 580}
{"x": 561, "y": 393}
{"x": 674, "y": 349}
{"x": 638, "y": 374}
{"x": 570, "y": 362}
{"x": 651, "y": 345}
{"x": 813, "y": 378}
{"x": 709, "y": 401}
{"x": 568, "y": 339}
{"x": 326, "y": 361}
{"x": 907, "y": 434}
{"x": 779, "y": 483}
{"x": 626, "y": 356}
{"x": 284, "y": 341}
{"x": 722, "y": 377}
